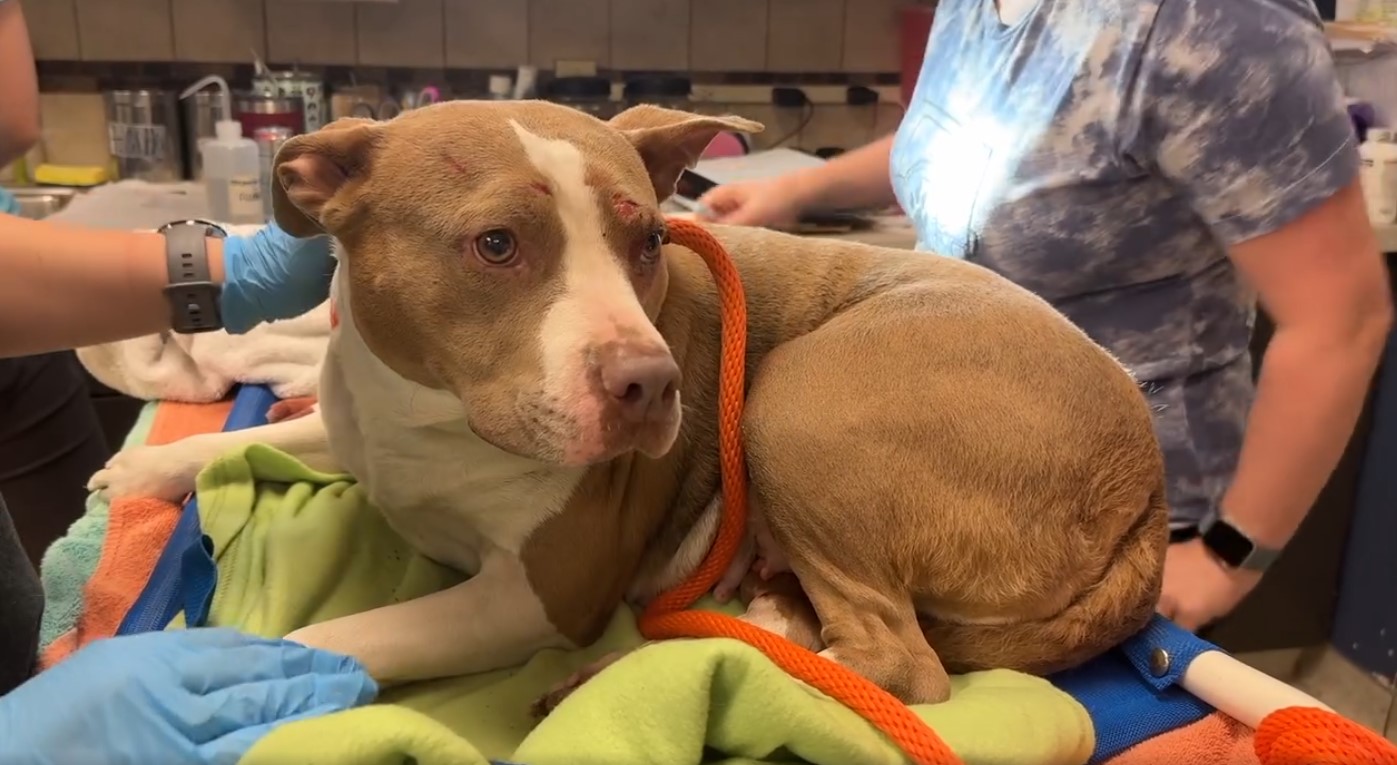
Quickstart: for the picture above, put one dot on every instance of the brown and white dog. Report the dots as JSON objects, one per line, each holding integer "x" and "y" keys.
{"x": 524, "y": 381}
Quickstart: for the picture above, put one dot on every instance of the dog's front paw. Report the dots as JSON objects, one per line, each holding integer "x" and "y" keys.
{"x": 161, "y": 472}
{"x": 557, "y": 694}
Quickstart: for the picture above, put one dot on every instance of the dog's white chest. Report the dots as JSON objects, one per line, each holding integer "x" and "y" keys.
{"x": 447, "y": 492}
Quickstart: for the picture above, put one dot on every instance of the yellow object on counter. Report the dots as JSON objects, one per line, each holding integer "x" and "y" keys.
{"x": 70, "y": 175}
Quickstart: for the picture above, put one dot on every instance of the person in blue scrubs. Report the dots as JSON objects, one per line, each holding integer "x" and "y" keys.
{"x": 51, "y": 439}
{"x": 189, "y": 696}
{"x": 183, "y": 697}
{"x": 19, "y": 94}
{"x": 1152, "y": 168}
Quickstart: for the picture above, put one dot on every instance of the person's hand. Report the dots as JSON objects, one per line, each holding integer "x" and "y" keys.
{"x": 272, "y": 275}
{"x": 1199, "y": 590}
{"x": 188, "y": 696}
{"x": 775, "y": 203}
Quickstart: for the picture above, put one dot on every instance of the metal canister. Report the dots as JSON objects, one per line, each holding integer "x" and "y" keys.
{"x": 255, "y": 110}
{"x": 269, "y": 140}
{"x": 201, "y": 111}
{"x": 296, "y": 84}
{"x": 143, "y": 134}
{"x": 670, "y": 92}
{"x": 588, "y": 94}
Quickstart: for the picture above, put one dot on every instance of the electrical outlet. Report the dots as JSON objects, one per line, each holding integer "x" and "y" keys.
{"x": 789, "y": 98}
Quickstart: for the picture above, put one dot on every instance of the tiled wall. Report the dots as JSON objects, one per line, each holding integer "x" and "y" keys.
{"x": 653, "y": 35}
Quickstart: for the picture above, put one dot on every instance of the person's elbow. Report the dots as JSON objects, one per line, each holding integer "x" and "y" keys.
{"x": 1352, "y": 322}
{"x": 1323, "y": 279}
{"x": 1373, "y": 317}
{"x": 17, "y": 136}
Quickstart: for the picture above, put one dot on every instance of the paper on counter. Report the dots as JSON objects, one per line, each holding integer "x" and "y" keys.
{"x": 758, "y": 165}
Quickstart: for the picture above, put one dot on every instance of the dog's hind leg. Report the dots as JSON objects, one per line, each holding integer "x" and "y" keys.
{"x": 778, "y": 605}
{"x": 874, "y": 632}
{"x": 168, "y": 471}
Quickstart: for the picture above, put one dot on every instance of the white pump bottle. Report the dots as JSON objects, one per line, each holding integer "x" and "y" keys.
{"x": 232, "y": 165}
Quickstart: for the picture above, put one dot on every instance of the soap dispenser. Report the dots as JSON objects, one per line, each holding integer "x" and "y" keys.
{"x": 232, "y": 165}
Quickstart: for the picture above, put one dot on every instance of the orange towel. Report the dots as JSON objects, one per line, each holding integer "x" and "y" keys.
{"x": 137, "y": 530}
{"x": 1215, "y": 740}
{"x": 175, "y": 420}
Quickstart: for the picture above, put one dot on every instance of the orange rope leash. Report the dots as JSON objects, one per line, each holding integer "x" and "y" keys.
{"x": 1308, "y": 736}
{"x": 667, "y": 616}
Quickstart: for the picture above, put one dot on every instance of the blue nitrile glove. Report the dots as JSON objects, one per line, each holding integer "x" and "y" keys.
{"x": 185, "y": 697}
{"x": 8, "y": 204}
{"x": 272, "y": 275}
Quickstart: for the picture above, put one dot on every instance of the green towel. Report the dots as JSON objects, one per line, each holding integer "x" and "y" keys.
{"x": 69, "y": 562}
{"x": 295, "y": 546}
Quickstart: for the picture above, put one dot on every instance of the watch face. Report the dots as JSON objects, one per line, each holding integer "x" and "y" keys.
{"x": 1228, "y": 543}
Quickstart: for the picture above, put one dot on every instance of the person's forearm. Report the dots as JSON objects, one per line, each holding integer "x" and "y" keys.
{"x": 64, "y": 287}
{"x": 858, "y": 179}
{"x": 19, "y": 89}
{"x": 1309, "y": 395}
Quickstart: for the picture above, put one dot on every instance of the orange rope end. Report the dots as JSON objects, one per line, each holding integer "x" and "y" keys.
{"x": 666, "y": 617}
{"x": 1308, "y": 736}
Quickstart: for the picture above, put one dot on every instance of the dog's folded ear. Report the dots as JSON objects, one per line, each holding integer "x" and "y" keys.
{"x": 314, "y": 171}
{"x": 669, "y": 141}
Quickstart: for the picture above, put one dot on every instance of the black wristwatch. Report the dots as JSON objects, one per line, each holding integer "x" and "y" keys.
{"x": 192, "y": 294}
{"x": 1232, "y": 546}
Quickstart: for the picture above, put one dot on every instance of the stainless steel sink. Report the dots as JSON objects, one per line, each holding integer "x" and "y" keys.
{"x": 38, "y": 202}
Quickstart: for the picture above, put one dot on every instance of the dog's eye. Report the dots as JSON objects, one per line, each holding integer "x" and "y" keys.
{"x": 496, "y": 247}
{"x": 653, "y": 242}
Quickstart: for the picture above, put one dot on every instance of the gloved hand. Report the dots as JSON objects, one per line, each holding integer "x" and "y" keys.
{"x": 273, "y": 275}
{"x": 8, "y": 204}
{"x": 186, "y": 697}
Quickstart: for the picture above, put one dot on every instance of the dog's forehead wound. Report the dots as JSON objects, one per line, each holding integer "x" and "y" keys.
{"x": 626, "y": 207}
{"x": 454, "y": 163}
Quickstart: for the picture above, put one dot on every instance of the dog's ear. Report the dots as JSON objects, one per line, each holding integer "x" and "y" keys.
{"x": 670, "y": 141}
{"x": 312, "y": 170}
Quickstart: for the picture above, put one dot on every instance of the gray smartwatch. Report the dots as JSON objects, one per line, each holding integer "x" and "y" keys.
{"x": 192, "y": 294}
{"x": 1232, "y": 546}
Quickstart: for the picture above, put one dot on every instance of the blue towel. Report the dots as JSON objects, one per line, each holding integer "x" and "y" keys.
{"x": 1132, "y": 693}
{"x": 185, "y": 575}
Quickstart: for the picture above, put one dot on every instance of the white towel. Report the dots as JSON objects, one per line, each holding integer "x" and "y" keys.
{"x": 285, "y": 355}
{"x": 200, "y": 368}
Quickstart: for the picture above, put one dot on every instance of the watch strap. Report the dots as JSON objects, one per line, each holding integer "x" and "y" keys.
{"x": 192, "y": 294}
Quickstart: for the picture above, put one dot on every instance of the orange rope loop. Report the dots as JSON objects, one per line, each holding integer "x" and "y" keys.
{"x": 667, "y": 616}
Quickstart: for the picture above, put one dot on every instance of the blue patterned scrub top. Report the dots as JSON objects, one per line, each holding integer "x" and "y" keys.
{"x": 1104, "y": 154}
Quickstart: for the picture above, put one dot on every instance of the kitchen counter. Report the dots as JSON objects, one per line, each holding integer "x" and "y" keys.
{"x": 887, "y": 231}
{"x": 136, "y": 205}
{"x": 139, "y": 205}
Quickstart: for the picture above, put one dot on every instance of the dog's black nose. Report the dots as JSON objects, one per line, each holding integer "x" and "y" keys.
{"x": 642, "y": 383}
